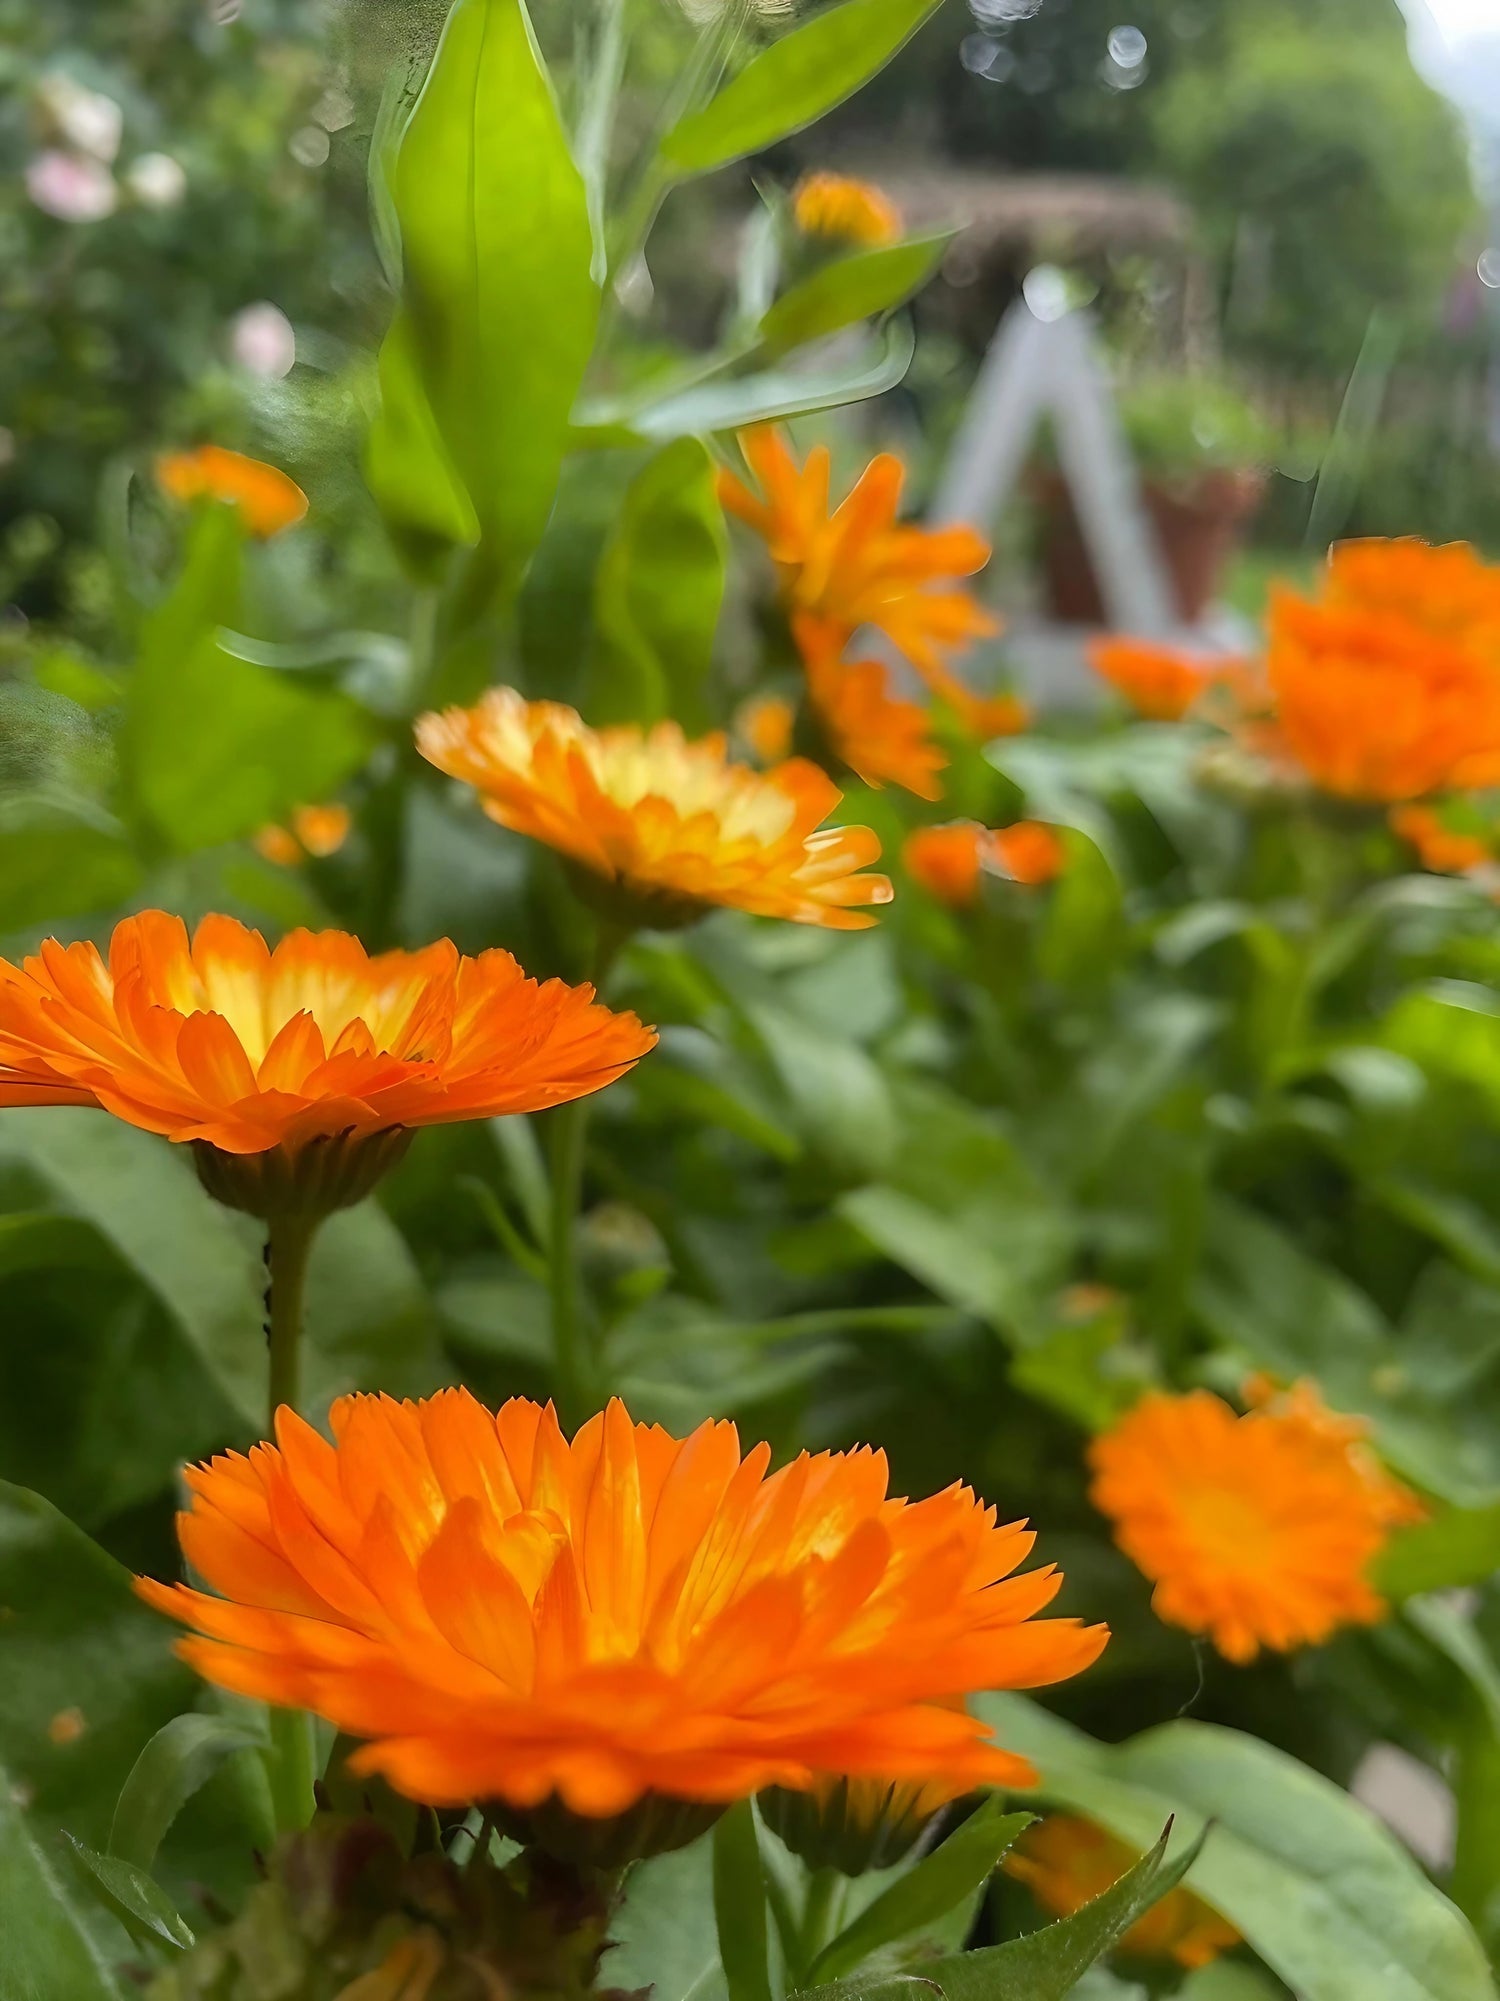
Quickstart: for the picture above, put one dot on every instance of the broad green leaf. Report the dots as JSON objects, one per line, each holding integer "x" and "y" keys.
{"x": 39, "y": 1240}
{"x": 1427, "y": 1399}
{"x": 1453, "y": 1634}
{"x": 657, "y": 592}
{"x": 836, "y": 1093}
{"x": 408, "y": 468}
{"x": 1324, "y": 1892}
{"x": 1452, "y": 1031}
{"x": 129, "y": 1894}
{"x": 213, "y": 747}
{"x": 740, "y": 1905}
{"x": 60, "y": 858}
{"x": 1454, "y": 1547}
{"x": 794, "y": 81}
{"x": 730, "y": 402}
{"x": 46, "y": 1949}
{"x": 926, "y": 1893}
{"x": 370, "y": 1325}
{"x": 664, "y": 1932}
{"x": 182, "y": 1757}
{"x": 87, "y": 1670}
{"x": 143, "y": 1197}
{"x": 496, "y": 257}
{"x": 850, "y": 288}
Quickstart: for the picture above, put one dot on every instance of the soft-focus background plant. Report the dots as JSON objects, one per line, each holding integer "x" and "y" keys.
{"x": 1224, "y": 1096}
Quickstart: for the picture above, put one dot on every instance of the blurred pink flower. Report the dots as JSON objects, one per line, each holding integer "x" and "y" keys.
{"x": 263, "y": 342}
{"x": 71, "y": 187}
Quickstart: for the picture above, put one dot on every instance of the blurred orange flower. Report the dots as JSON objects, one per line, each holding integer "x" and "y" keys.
{"x": 951, "y": 861}
{"x": 1449, "y": 591}
{"x": 883, "y": 739}
{"x": 505, "y": 1615}
{"x": 849, "y": 210}
{"x": 766, "y": 724}
{"x": 319, "y": 831}
{"x": 859, "y": 565}
{"x": 1371, "y": 709}
{"x": 1066, "y": 1862}
{"x": 674, "y": 825}
{"x": 1160, "y": 682}
{"x": 225, "y": 1041}
{"x": 1440, "y": 848}
{"x": 268, "y": 500}
{"x": 1258, "y": 1530}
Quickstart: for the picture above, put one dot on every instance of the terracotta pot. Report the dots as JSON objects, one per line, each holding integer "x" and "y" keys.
{"x": 1199, "y": 525}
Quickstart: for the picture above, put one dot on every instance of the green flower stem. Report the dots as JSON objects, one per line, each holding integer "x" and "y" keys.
{"x": 289, "y": 1762}
{"x": 288, "y": 1249}
{"x": 576, "y": 1387}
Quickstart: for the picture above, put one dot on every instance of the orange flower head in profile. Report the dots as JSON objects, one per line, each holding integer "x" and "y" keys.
{"x": 859, "y": 565}
{"x": 268, "y": 501}
{"x": 1066, "y": 1862}
{"x": 880, "y": 737}
{"x": 225, "y": 1041}
{"x": 847, "y": 210}
{"x": 951, "y": 862}
{"x": 1447, "y": 592}
{"x": 1441, "y": 849}
{"x": 1161, "y": 683}
{"x": 501, "y": 1614}
{"x": 1369, "y": 709}
{"x": 1258, "y": 1531}
{"x": 672, "y": 826}
{"x": 318, "y": 831}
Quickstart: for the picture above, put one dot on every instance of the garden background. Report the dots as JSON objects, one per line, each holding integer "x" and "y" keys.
{"x": 1192, "y": 1090}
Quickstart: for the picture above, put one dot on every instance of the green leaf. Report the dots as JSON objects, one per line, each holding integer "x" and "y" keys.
{"x": 1454, "y": 1547}
{"x": 1325, "y": 1894}
{"x": 794, "y": 81}
{"x": 496, "y": 253}
{"x": 1047, "y": 1964}
{"x": 849, "y": 289}
{"x": 60, "y": 858}
{"x": 182, "y": 1757}
{"x": 142, "y": 1906}
{"x": 141, "y": 1194}
{"x": 740, "y": 1905}
{"x": 926, "y": 1893}
{"x": 46, "y": 1949}
{"x": 370, "y": 1325}
{"x": 213, "y": 747}
{"x": 664, "y": 1932}
{"x": 730, "y": 402}
{"x": 408, "y": 469}
{"x": 1044, "y": 1966}
{"x": 657, "y": 592}
{"x": 75, "y": 1643}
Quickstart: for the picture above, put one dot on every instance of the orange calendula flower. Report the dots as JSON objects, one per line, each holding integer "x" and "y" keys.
{"x": 951, "y": 861}
{"x": 1258, "y": 1531}
{"x": 1440, "y": 848}
{"x": 766, "y": 723}
{"x": 859, "y": 565}
{"x": 319, "y": 831}
{"x": 1160, "y": 682}
{"x": 1372, "y": 710}
{"x": 225, "y": 1041}
{"x": 883, "y": 739}
{"x": 267, "y": 499}
{"x": 502, "y": 1614}
{"x": 673, "y": 825}
{"x": 1449, "y": 591}
{"x": 1066, "y": 1862}
{"x": 848, "y": 210}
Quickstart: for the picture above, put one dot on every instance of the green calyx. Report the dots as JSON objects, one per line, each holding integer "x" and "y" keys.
{"x": 308, "y": 1182}
{"x": 343, "y": 1915}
